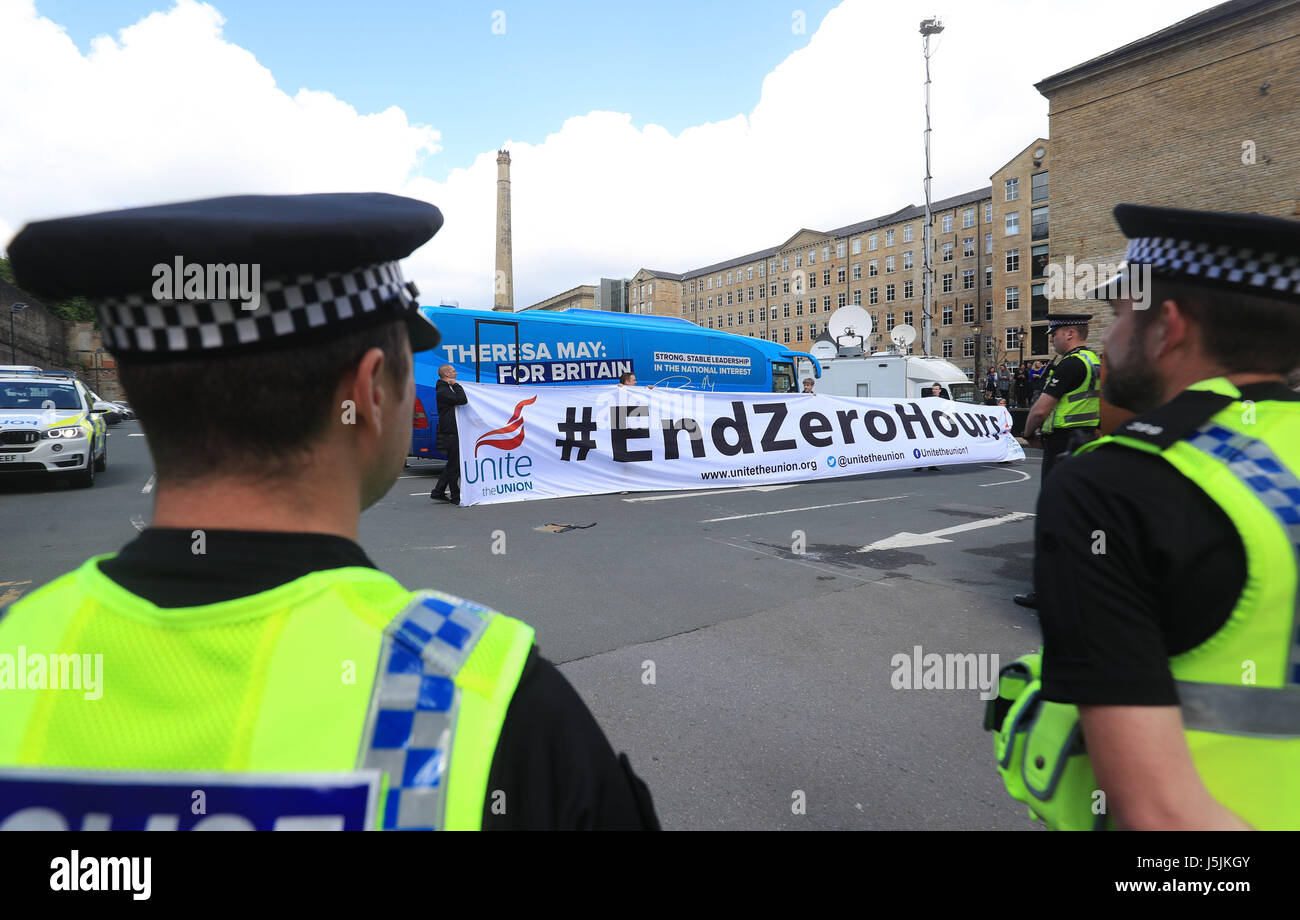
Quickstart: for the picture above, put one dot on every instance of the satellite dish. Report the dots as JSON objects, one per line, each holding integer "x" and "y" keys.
{"x": 903, "y": 335}
{"x": 850, "y": 324}
{"x": 823, "y": 350}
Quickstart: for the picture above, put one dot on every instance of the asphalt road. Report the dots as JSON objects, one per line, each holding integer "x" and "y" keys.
{"x": 747, "y": 676}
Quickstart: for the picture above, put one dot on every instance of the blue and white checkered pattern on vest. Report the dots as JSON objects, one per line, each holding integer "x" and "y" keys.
{"x": 1255, "y": 464}
{"x": 411, "y": 726}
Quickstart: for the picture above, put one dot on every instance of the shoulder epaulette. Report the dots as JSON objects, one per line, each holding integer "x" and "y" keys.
{"x": 1176, "y": 419}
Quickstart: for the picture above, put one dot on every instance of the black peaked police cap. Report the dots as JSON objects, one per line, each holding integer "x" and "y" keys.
{"x": 1249, "y": 253}
{"x": 173, "y": 281}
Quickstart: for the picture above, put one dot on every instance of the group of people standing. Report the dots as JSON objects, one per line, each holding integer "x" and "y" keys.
{"x": 1018, "y": 387}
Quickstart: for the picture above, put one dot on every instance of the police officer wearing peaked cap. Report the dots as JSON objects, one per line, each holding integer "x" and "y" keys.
{"x": 247, "y": 630}
{"x": 1166, "y": 555}
{"x": 1067, "y": 412}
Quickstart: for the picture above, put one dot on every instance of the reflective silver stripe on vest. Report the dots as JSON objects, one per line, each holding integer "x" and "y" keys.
{"x": 1262, "y": 712}
{"x": 414, "y": 704}
{"x": 1263, "y": 472}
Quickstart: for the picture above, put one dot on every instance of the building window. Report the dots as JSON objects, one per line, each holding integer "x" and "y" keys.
{"x": 907, "y": 317}
{"x": 907, "y": 234}
{"x": 826, "y": 302}
{"x": 968, "y": 217}
{"x": 1038, "y": 218}
{"x": 1013, "y": 223}
{"x": 826, "y": 253}
{"x": 857, "y": 245}
{"x": 751, "y": 293}
{"x": 968, "y": 280}
{"x": 947, "y": 283}
{"x": 907, "y": 259}
{"x": 873, "y": 296}
{"x": 988, "y": 346}
{"x": 857, "y": 297}
{"x": 812, "y": 280}
{"x": 947, "y": 348}
{"x": 857, "y": 271}
{"x": 798, "y": 260}
{"x": 1013, "y": 338}
{"x": 1013, "y": 298}
{"x": 840, "y": 301}
{"x": 1013, "y": 260}
{"x": 988, "y": 242}
{"x": 749, "y": 273}
{"x": 1038, "y": 187}
{"x": 785, "y": 263}
{"x": 798, "y": 308}
{"x": 826, "y": 276}
{"x": 907, "y": 288}
{"x": 947, "y": 223}
{"x": 889, "y": 293}
{"x": 873, "y": 267}
{"x": 1037, "y": 302}
{"x": 1038, "y": 261}
{"x": 968, "y": 347}
{"x": 771, "y": 266}
{"x": 761, "y": 266}
{"x": 812, "y": 256}
{"x": 988, "y": 212}
{"x": 710, "y": 303}
{"x": 988, "y": 275}
{"x": 968, "y": 313}
{"x": 988, "y": 310}
{"x": 875, "y": 320}
{"x": 839, "y": 250}
{"x": 786, "y": 312}
{"x": 785, "y": 336}
{"x": 968, "y": 247}
{"x": 785, "y": 285}
{"x": 751, "y": 316}
{"x": 889, "y": 322}
{"x": 947, "y": 252}
{"x": 762, "y": 314}
{"x": 947, "y": 315}
{"x": 889, "y": 237}
{"x": 772, "y": 289}
{"x": 798, "y": 333}
{"x": 730, "y": 317}
{"x": 728, "y": 277}
{"x": 839, "y": 275}
{"x": 728, "y": 298}
{"x": 1013, "y": 189}
{"x": 889, "y": 263}
{"x": 710, "y": 322}
{"x": 872, "y": 243}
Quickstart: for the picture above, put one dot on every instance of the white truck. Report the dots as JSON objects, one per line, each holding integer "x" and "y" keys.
{"x": 888, "y": 374}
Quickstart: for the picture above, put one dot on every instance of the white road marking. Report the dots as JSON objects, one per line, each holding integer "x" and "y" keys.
{"x": 864, "y": 501}
{"x": 1006, "y": 482}
{"x": 135, "y": 435}
{"x": 659, "y": 498}
{"x": 148, "y": 486}
{"x": 905, "y": 539}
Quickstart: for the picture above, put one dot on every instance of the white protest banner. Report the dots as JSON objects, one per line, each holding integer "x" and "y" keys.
{"x": 521, "y": 442}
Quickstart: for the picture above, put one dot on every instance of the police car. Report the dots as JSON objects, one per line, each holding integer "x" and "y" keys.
{"x": 51, "y": 423}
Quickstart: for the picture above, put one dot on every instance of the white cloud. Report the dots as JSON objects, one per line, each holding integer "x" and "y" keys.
{"x": 169, "y": 110}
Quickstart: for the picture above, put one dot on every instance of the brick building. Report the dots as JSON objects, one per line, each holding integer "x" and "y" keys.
{"x": 1202, "y": 114}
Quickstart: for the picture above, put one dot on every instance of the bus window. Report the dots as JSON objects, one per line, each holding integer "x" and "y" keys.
{"x": 783, "y": 377}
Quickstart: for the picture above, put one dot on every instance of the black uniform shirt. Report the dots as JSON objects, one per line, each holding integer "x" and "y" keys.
{"x": 1067, "y": 374}
{"x": 1166, "y": 577}
{"x": 553, "y": 762}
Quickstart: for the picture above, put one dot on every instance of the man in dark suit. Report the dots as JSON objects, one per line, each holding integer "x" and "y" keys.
{"x": 450, "y": 394}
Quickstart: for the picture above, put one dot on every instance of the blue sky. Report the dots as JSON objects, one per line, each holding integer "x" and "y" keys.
{"x": 672, "y": 63}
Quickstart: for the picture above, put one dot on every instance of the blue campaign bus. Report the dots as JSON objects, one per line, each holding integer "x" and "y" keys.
{"x": 584, "y": 347}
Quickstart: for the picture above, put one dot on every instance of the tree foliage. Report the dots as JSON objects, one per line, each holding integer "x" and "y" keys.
{"x": 77, "y": 309}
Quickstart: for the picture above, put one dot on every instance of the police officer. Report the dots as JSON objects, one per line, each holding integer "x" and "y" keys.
{"x": 1166, "y": 554}
{"x": 246, "y": 634}
{"x": 1067, "y": 412}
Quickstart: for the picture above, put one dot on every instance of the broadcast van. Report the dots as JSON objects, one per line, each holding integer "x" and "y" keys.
{"x": 576, "y": 347}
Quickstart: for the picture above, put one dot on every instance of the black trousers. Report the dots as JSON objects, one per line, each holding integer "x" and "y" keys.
{"x": 1060, "y": 444}
{"x": 450, "y": 478}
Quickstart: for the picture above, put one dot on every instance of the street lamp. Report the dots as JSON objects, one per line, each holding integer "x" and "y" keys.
{"x": 13, "y": 342}
{"x": 1020, "y": 338}
{"x": 979, "y": 387}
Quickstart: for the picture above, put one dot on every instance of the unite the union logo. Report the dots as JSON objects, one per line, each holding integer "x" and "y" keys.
{"x": 508, "y": 436}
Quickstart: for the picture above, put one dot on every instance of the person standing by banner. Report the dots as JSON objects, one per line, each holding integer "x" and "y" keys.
{"x": 449, "y": 394}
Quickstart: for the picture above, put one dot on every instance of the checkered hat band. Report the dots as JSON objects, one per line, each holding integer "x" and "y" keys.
{"x": 411, "y": 729}
{"x": 1251, "y": 270}
{"x": 1255, "y": 464}
{"x": 288, "y": 307}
